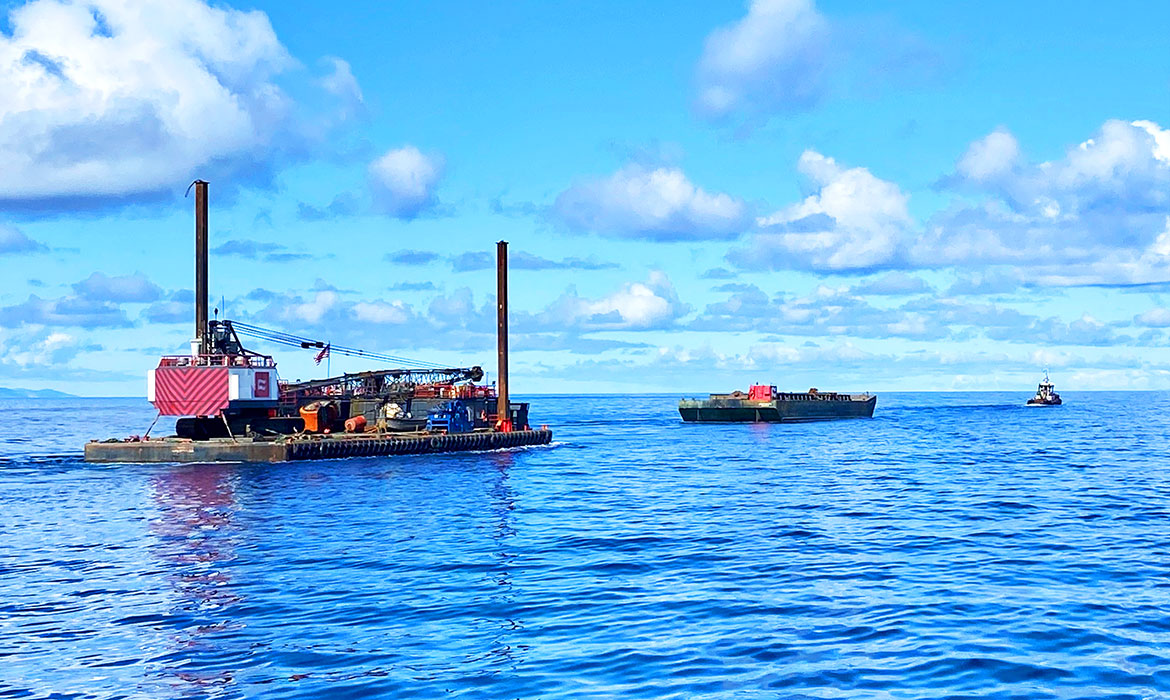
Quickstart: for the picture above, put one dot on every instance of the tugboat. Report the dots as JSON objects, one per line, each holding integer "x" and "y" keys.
{"x": 763, "y": 404}
{"x": 1045, "y": 394}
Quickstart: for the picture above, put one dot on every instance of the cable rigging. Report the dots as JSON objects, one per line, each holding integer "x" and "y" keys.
{"x": 296, "y": 341}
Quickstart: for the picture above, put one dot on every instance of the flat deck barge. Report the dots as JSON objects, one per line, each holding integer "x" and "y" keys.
{"x": 287, "y": 449}
{"x": 230, "y": 404}
{"x": 763, "y": 404}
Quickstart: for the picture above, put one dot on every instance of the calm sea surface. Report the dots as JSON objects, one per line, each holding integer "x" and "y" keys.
{"x": 955, "y": 546}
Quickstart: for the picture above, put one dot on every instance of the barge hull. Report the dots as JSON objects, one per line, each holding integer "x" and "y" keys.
{"x": 775, "y": 412}
{"x": 287, "y": 450}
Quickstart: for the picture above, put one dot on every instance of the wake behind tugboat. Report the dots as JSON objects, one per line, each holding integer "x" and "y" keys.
{"x": 763, "y": 404}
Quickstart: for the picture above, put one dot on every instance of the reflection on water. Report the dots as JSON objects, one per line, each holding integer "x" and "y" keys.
{"x": 502, "y": 504}
{"x": 198, "y": 539}
{"x": 195, "y": 538}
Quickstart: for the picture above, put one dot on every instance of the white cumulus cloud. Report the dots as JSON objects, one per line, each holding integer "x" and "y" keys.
{"x": 313, "y": 311}
{"x": 773, "y": 58}
{"x": 38, "y": 348}
{"x": 403, "y": 182}
{"x": 382, "y": 312}
{"x": 786, "y": 56}
{"x": 1100, "y": 214}
{"x": 853, "y": 221}
{"x": 990, "y": 157}
{"x": 111, "y": 98}
{"x": 635, "y": 306}
{"x": 340, "y": 81}
{"x": 651, "y": 203}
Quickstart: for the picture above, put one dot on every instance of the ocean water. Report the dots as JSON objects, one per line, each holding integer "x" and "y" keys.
{"x": 954, "y": 546}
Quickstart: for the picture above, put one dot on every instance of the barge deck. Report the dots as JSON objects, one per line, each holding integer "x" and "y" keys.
{"x": 288, "y": 449}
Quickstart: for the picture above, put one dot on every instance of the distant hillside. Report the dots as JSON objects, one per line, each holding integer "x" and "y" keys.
{"x": 33, "y": 394}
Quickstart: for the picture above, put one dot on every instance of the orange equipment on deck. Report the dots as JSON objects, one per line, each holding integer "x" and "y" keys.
{"x": 318, "y": 415}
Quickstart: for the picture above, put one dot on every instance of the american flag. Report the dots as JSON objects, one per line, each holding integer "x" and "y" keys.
{"x": 322, "y": 355}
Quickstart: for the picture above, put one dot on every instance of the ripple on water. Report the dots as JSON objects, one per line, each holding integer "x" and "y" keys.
{"x": 956, "y": 546}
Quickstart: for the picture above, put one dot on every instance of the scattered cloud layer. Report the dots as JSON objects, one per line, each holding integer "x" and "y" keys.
{"x": 521, "y": 260}
{"x": 178, "y": 307}
{"x": 475, "y": 260}
{"x": 860, "y": 367}
{"x": 13, "y": 241}
{"x": 412, "y": 257}
{"x": 894, "y": 284}
{"x": 827, "y": 312}
{"x": 260, "y": 250}
{"x": 472, "y": 261}
{"x": 1158, "y": 317}
{"x": 658, "y": 204}
{"x": 36, "y": 352}
{"x": 105, "y": 100}
{"x": 126, "y": 288}
{"x": 1098, "y": 216}
{"x": 994, "y": 281}
{"x": 343, "y": 205}
{"x": 72, "y": 311}
{"x": 460, "y": 320}
{"x": 97, "y": 302}
{"x": 832, "y": 312}
{"x": 718, "y": 273}
{"x": 427, "y": 286}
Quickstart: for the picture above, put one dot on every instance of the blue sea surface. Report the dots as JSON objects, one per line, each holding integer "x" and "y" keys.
{"x": 954, "y": 546}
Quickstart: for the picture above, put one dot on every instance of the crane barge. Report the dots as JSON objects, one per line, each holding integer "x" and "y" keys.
{"x": 231, "y": 404}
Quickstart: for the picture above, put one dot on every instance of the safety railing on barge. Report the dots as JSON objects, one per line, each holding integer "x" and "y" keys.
{"x": 253, "y": 361}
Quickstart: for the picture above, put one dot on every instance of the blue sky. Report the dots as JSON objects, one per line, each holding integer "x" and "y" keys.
{"x": 900, "y": 196}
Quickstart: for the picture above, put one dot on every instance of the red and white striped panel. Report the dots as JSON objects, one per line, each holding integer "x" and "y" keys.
{"x": 190, "y": 391}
